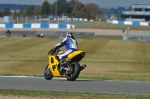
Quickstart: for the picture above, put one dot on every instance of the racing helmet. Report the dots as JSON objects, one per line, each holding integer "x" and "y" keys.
{"x": 69, "y": 34}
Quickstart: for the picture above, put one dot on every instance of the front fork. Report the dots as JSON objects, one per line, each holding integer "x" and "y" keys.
{"x": 47, "y": 71}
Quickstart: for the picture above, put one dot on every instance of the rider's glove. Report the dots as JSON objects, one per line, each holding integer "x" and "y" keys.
{"x": 53, "y": 50}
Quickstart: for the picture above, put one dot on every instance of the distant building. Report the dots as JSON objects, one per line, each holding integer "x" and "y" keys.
{"x": 15, "y": 10}
{"x": 137, "y": 12}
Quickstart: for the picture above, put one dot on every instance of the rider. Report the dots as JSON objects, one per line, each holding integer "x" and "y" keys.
{"x": 8, "y": 32}
{"x": 70, "y": 44}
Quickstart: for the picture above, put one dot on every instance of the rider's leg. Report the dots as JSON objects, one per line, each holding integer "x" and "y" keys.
{"x": 63, "y": 56}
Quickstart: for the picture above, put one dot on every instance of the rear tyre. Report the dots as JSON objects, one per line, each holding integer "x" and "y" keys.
{"x": 7, "y": 35}
{"x": 74, "y": 72}
{"x": 47, "y": 73}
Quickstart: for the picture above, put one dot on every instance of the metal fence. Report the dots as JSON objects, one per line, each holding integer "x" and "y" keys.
{"x": 1, "y": 20}
{"x": 38, "y": 19}
{"x": 136, "y": 35}
{"x": 43, "y": 19}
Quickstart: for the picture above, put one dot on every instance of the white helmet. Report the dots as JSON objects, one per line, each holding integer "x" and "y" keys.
{"x": 69, "y": 34}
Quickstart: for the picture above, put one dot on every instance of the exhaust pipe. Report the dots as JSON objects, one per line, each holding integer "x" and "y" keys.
{"x": 82, "y": 67}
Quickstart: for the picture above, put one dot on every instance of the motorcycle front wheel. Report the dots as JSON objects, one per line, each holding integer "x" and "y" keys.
{"x": 47, "y": 73}
{"x": 7, "y": 35}
{"x": 74, "y": 72}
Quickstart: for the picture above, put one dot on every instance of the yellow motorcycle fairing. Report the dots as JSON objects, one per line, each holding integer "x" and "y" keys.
{"x": 80, "y": 55}
{"x": 77, "y": 55}
{"x": 54, "y": 63}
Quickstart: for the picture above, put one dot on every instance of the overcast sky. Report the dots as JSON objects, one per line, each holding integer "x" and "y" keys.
{"x": 101, "y": 3}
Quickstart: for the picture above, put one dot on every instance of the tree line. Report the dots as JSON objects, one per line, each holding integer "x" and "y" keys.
{"x": 73, "y": 8}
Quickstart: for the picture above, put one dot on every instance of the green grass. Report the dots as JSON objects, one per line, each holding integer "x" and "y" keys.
{"x": 107, "y": 58}
{"x": 67, "y": 95}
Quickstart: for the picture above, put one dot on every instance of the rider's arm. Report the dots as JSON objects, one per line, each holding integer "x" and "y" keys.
{"x": 60, "y": 44}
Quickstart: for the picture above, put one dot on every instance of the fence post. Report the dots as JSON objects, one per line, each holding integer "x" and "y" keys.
{"x": 127, "y": 32}
{"x": 67, "y": 19}
{"x": 35, "y": 19}
{"x": 17, "y": 19}
{"x": 58, "y": 19}
{"x": 26, "y": 19}
{"x": 40, "y": 19}
{"x": 49, "y": 19}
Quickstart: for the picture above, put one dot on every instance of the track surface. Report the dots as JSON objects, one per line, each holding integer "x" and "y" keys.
{"x": 80, "y": 85}
{"x": 98, "y": 32}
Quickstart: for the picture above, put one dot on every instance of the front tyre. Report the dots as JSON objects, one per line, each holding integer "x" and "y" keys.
{"x": 7, "y": 35}
{"x": 74, "y": 71}
{"x": 47, "y": 73}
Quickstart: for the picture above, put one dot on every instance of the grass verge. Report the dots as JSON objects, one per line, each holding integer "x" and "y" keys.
{"x": 67, "y": 95}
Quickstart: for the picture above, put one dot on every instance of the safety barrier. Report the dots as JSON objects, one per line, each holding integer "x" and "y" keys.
{"x": 79, "y": 19}
{"x": 136, "y": 35}
{"x": 56, "y": 26}
{"x": 64, "y": 19}
{"x": 137, "y": 23}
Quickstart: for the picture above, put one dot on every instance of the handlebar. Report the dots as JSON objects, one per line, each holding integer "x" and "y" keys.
{"x": 51, "y": 52}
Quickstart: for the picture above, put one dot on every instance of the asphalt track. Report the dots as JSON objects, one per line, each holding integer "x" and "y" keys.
{"x": 97, "y": 32}
{"x": 80, "y": 85}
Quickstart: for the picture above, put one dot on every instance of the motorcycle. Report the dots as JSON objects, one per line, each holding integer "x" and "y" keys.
{"x": 70, "y": 70}
{"x": 8, "y": 34}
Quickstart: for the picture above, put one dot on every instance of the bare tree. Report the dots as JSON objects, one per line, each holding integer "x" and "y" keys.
{"x": 93, "y": 10}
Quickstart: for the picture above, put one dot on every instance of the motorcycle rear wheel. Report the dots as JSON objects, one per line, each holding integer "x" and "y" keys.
{"x": 74, "y": 72}
{"x": 47, "y": 73}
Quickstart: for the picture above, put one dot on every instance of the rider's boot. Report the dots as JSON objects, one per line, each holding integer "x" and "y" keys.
{"x": 62, "y": 62}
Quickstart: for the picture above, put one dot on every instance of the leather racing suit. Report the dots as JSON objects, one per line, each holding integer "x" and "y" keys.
{"x": 70, "y": 43}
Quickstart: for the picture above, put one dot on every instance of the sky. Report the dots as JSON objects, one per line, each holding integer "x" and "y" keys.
{"x": 101, "y": 3}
